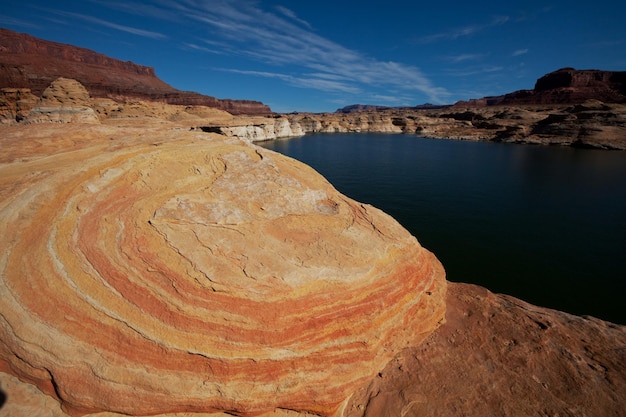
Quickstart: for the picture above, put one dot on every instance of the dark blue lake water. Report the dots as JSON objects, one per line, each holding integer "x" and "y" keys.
{"x": 544, "y": 224}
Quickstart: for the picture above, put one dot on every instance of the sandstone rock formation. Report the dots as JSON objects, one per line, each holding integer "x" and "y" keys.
{"x": 64, "y": 101}
{"x": 591, "y": 124}
{"x": 256, "y": 129}
{"x": 499, "y": 356}
{"x": 15, "y": 104}
{"x": 29, "y": 62}
{"x": 495, "y": 355}
{"x": 149, "y": 269}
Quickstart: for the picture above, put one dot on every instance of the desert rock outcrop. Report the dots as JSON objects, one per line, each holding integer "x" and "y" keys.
{"x": 499, "y": 356}
{"x": 495, "y": 355}
{"x": 64, "y": 101}
{"x": 150, "y": 270}
{"x": 256, "y": 129}
{"x": 15, "y": 104}
{"x": 591, "y": 124}
{"x": 29, "y": 62}
{"x": 565, "y": 86}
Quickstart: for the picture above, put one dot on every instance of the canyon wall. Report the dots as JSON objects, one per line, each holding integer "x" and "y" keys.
{"x": 27, "y": 62}
{"x": 565, "y": 86}
{"x": 257, "y": 129}
{"x": 592, "y": 124}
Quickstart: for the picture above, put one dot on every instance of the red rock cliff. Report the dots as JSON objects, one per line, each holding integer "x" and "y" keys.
{"x": 29, "y": 62}
{"x": 564, "y": 86}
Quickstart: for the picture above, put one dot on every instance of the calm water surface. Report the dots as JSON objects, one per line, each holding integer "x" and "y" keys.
{"x": 545, "y": 224}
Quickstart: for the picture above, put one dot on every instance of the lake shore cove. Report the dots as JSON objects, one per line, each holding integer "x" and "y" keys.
{"x": 152, "y": 270}
{"x": 591, "y": 124}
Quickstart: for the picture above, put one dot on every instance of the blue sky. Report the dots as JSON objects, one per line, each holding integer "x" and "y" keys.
{"x": 322, "y": 55}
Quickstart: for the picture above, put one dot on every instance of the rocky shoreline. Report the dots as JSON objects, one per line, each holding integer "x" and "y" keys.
{"x": 568, "y": 107}
{"x": 591, "y": 124}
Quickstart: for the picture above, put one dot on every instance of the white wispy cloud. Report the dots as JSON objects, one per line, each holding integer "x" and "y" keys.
{"x": 464, "y": 57}
{"x": 474, "y": 71}
{"x": 317, "y": 83}
{"x": 292, "y": 15}
{"x": 519, "y": 52}
{"x": 109, "y": 24}
{"x": 11, "y": 21}
{"x": 278, "y": 37}
{"x": 604, "y": 44}
{"x": 395, "y": 100}
{"x": 464, "y": 31}
{"x": 195, "y": 47}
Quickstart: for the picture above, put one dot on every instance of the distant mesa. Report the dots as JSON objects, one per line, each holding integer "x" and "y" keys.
{"x": 29, "y": 62}
{"x": 564, "y": 86}
{"x": 361, "y": 107}
{"x": 355, "y": 108}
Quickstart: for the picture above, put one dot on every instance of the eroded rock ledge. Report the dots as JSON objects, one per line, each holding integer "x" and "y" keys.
{"x": 148, "y": 270}
{"x": 592, "y": 124}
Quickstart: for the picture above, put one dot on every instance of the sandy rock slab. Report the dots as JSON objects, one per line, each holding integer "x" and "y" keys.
{"x": 494, "y": 356}
{"x": 149, "y": 270}
{"x": 499, "y": 356}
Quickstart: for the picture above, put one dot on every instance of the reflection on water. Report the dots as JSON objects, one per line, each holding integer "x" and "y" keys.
{"x": 545, "y": 224}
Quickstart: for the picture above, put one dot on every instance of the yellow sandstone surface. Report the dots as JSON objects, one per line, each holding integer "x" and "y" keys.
{"x": 148, "y": 269}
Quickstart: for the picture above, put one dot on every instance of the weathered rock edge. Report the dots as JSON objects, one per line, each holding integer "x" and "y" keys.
{"x": 498, "y": 355}
{"x": 147, "y": 270}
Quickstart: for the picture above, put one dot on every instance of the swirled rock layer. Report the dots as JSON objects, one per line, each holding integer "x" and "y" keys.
{"x": 153, "y": 270}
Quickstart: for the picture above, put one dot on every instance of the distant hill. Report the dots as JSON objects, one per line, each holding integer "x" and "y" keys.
{"x": 29, "y": 62}
{"x": 564, "y": 86}
{"x": 370, "y": 107}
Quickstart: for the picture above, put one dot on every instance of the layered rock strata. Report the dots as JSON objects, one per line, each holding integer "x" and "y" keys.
{"x": 150, "y": 270}
{"x": 565, "y": 86}
{"x": 15, "y": 104}
{"x": 32, "y": 63}
{"x": 257, "y": 129}
{"x": 592, "y": 124}
{"x": 64, "y": 101}
{"x": 495, "y": 355}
